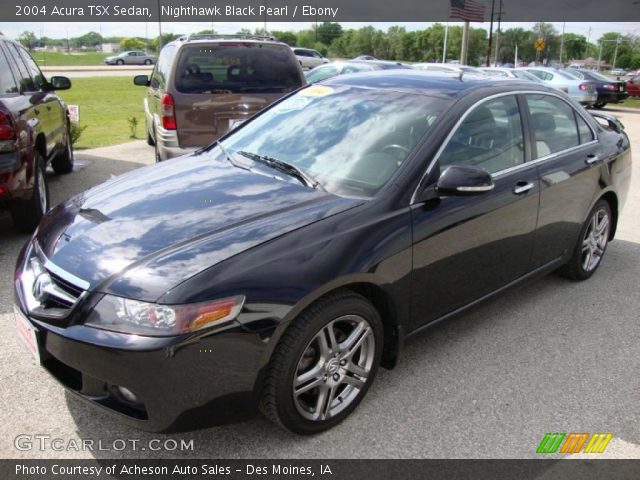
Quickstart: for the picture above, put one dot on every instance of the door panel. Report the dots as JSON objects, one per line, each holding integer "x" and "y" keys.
{"x": 567, "y": 153}
{"x": 467, "y": 247}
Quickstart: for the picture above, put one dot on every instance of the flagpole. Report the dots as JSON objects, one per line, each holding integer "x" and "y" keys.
{"x": 493, "y": 2}
{"x": 465, "y": 43}
{"x": 444, "y": 47}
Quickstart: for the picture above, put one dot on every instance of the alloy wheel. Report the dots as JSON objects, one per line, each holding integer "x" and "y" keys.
{"x": 334, "y": 368}
{"x": 595, "y": 240}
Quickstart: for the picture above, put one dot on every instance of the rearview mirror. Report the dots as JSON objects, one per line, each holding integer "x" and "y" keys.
{"x": 141, "y": 80}
{"x": 60, "y": 83}
{"x": 464, "y": 181}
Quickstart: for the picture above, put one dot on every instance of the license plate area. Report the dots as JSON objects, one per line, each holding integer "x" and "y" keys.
{"x": 27, "y": 333}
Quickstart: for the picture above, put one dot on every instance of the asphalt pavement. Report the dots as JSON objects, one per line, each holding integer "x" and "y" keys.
{"x": 549, "y": 356}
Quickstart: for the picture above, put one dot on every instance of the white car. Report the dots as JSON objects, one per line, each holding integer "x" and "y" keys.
{"x": 308, "y": 57}
{"x": 448, "y": 67}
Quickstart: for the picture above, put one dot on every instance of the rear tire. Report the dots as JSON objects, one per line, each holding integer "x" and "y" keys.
{"x": 324, "y": 364}
{"x": 27, "y": 214}
{"x": 63, "y": 163}
{"x": 592, "y": 244}
{"x": 150, "y": 141}
{"x": 148, "y": 62}
{"x": 157, "y": 151}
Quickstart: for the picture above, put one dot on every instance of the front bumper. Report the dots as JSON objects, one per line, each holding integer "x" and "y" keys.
{"x": 181, "y": 383}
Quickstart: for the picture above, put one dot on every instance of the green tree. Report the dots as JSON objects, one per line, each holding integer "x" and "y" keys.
{"x": 28, "y": 40}
{"x": 289, "y": 38}
{"x": 91, "y": 39}
{"x": 131, "y": 44}
{"x": 166, "y": 38}
{"x": 328, "y": 31}
{"x": 575, "y": 46}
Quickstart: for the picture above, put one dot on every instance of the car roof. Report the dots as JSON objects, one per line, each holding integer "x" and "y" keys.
{"x": 431, "y": 83}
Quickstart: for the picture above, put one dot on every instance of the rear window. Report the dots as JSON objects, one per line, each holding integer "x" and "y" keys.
{"x": 236, "y": 68}
{"x": 7, "y": 82}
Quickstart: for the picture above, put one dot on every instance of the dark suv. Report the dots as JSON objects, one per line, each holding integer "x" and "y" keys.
{"x": 34, "y": 132}
{"x": 203, "y": 85}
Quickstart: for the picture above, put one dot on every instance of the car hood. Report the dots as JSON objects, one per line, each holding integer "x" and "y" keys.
{"x": 145, "y": 232}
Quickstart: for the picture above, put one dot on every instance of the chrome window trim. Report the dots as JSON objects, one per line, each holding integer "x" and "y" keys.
{"x": 447, "y": 139}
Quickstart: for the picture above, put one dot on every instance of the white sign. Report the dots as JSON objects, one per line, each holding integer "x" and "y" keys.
{"x": 74, "y": 113}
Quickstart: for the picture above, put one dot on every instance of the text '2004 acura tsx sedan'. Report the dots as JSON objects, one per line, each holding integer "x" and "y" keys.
{"x": 280, "y": 266}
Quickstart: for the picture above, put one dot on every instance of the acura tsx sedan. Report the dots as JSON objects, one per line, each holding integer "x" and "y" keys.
{"x": 279, "y": 267}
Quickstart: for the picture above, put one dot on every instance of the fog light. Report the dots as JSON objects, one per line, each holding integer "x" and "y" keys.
{"x": 128, "y": 394}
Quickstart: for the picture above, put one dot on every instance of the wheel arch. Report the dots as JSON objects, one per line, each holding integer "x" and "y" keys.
{"x": 612, "y": 199}
{"x": 370, "y": 288}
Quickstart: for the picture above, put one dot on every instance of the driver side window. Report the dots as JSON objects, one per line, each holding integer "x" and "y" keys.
{"x": 490, "y": 138}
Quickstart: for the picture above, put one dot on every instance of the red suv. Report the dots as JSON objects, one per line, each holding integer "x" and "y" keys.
{"x": 34, "y": 132}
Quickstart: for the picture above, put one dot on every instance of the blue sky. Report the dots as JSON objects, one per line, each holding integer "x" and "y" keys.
{"x": 61, "y": 30}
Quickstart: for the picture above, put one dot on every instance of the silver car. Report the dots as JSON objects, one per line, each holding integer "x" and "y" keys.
{"x": 132, "y": 57}
{"x": 448, "y": 67}
{"x": 510, "y": 73}
{"x": 581, "y": 91}
{"x": 308, "y": 57}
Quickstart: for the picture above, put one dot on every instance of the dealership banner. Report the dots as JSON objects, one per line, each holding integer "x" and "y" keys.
{"x": 321, "y": 469}
{"x": 311, "y": 10}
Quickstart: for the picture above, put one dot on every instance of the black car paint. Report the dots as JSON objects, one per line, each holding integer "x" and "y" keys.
{"x": 403, "y": 249}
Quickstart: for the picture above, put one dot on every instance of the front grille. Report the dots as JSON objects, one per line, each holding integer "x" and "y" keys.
{"x": 48, "y": 291}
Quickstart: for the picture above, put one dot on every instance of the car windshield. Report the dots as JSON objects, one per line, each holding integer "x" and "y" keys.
{"x": 350, "y": 139}
{"x": 526, "y": 75}
{"x": 236, "y": 68}
{"x": 599, "y": 76}
{"x": 566, "y": 75}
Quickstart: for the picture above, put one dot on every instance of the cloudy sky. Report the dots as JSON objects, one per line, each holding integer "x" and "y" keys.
{"x": 61, "y": 30}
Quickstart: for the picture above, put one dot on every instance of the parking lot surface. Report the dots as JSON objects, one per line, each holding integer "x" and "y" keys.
{"x": 549, "y": 356}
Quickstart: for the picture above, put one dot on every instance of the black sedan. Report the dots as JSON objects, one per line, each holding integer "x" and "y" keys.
{"x": 279, "y": 267}
{"x": 609, "y": 90}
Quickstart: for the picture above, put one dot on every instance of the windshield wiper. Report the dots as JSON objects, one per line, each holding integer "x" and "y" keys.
{"x": 230, "y": 158}
{"x": 284, "y": 167}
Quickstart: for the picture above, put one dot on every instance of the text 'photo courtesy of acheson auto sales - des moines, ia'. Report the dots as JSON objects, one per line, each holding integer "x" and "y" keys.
{"x": 301, "y": 248}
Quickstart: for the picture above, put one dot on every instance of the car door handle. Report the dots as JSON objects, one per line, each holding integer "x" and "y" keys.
{"x": 591, "y": 159}
{"x": 522, "y": 187}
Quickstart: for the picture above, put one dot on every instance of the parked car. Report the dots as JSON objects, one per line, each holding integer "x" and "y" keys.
{"x": 510, "y": 73}
{"x": 302, "y": 249}
{"x": 609, "y": 90}
{"x": 633, "y": 87}
{"x": 448, "y": 67}
{"x": 308, "y": 57}
{"x": 618, "y": 72}
{"x": 352, "y": 66}
{"x": 365, "y": 57}
{"x": 134, "y": 57}
{"x": 204, "y": 85}
{"x": 582, "y": 91}
{"x": 34, "y": 133}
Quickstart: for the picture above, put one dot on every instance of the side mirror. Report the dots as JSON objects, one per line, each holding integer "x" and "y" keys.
{"x": 141, "y": 80}
{"x": 462, "y": 181}
{"x": 60, "y": 83}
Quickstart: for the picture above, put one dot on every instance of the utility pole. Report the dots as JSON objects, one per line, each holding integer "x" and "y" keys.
{"x": 586, "y": 53}
{"x": 562, "y": 44}
{"x": 615, "y": 53}
{"x": 159, "y": 28}
{"x": 490, "y": 33}
{"x": 600, "y": 54}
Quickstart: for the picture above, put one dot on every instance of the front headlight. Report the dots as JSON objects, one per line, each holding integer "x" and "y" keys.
{"x": 141, "y": 318}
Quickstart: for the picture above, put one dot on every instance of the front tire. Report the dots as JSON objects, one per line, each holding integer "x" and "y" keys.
{"x": 592, "y": 244}
{"x": 324, "y": 364}
{"x": 120, "y": 62}
{"x": 27, "y": 214}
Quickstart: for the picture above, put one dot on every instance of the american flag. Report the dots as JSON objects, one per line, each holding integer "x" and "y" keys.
{"x": 467, "y": 10}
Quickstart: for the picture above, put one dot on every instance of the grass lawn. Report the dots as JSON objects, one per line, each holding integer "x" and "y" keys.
{"x": 630, "y": 103}
{"x": 46, "y": 59}
{"x": 105, "y": 105}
